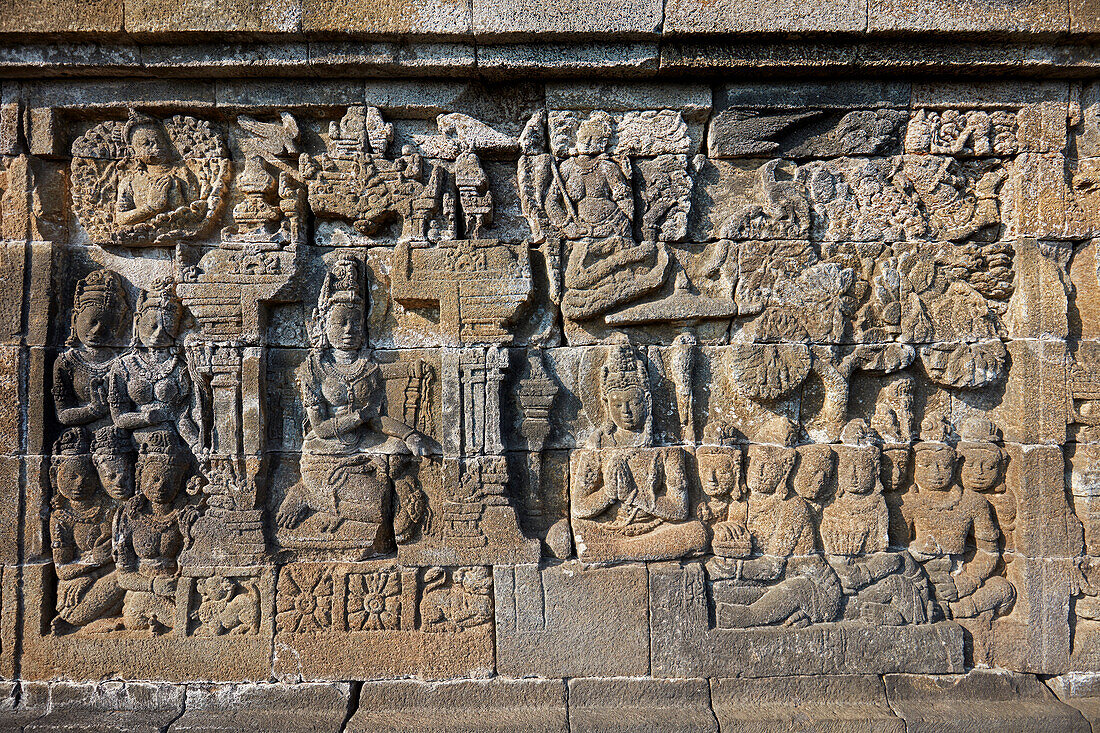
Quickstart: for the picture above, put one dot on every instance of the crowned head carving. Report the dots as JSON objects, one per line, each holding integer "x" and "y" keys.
{"x": 338, "y": 321}
{"x": 858, "y": 460}
{"x": 594, "y": 134}
{"x": 624, "y": 391}
{"x": 158, "y": 316}
{"x": 112, "y": 453}
{"x": 161, "y": 465}
{"x": 71, "y": 471}
{"x": 145, "y": 140}
{"x": 99, "y": 309}
{"x": 772, "y": 458}
{"x": 934, "y": 456}
{"x": 981, "y": 457}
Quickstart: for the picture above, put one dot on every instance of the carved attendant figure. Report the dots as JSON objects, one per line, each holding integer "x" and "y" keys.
{"x": 954, "y": 533}
{"x": 151, "y": 389}
{"x": 152, "y": 531}
{"x": 151, "y": 184}
{"x": 80, "y": 374}
{"x": 981, "y": 470}
{"x": 883, "y": 587}
{"x": 767, "y": 571}
{"x": 88, "y": 594}
{"x": 352, "y": 449}
{"x": 596, "y": 185}
{"x": 629, "y": 500}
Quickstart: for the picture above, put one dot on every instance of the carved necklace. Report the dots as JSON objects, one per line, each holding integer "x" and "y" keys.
{"x": 346, "y": 374}
{"x": 93, "y": 368}
{"x": 154, "y": 370}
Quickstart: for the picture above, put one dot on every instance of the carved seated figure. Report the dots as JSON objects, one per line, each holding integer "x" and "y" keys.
{"x": 768, "y": 571}
{"x": 353, "y": 452}
{"x": 88, "y": 594}
{"x": 150, "y": 388}
{"x": 606, "y": 267}
{"x": 629, "y": 499}
{"x": 882, "y": 587}
{"x": 153, "y": 529}
{"x": 152, "y": 183}
{"x": 80, "y": 374}
{"x": 954, "y": 534}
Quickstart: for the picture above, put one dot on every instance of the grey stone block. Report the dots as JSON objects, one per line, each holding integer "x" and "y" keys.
{"x": 970, "y": 702}
{"x": 273, "y": 708}
{"x": 744, "y": 16}
{"x": 534, "y": 706}
{"x": 613, "y": 705}
{"x": 605, "y": 18}
{"x": 548, "y": 624}
{"x": 838, "y": 704}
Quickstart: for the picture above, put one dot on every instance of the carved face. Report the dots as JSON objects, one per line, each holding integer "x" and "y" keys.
{"x": 592, "y": 138}
{"x": 721, "y": 470}
{"x": 157, "y": 327}
{"x": 934, "y": 468}
{"x": 344, "y": 326}
{"x": 628, "y": 409}
{"x": 95, "y": 325}
{"x": 895, "y": 466}
{"x": 815, "y": 466}
{"x": 116, "y": 474}
{"x": 856, "y": 469}
{"x": 73, "y": 477}
{"x": 147, "y": 144}
{"x": 980, "y": 469}
{"x": 159, "y": 477}
{"x": 769, "y": 467}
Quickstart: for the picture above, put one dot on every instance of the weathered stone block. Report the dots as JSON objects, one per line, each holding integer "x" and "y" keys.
{"x": 740, "y": 17}
{"x": 1026, "y": 16}
{"x": 444, "y": 17}
{"x": 834, "y": 703}
{"x": 963, "y": 702}
{"x": 450, "y": 707}
{"x": 640, "y": 17}
{"x": 100, "y": 16}
{"x": 151, "y": 17}
{"x": 110, "y": 706}
{"x": 633, "y": 704}
{"x": 547, "y": 625}
{"x": 263, "y": 706}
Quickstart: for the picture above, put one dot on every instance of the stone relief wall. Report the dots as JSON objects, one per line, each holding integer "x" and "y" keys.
{"x": 559, "y": 380}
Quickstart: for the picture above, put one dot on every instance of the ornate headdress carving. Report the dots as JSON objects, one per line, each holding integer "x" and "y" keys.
{"x": 979, "y": 432}
{"x": 112, "y": 441}
{"x": 135, "y": 120}
{"x": 858, "y": 434}
{"x": 935, "y": 433}
{"x": 162, "y": 297}
{"x": 623, "y": 370}
{"x": 343, "y": 283}
{"x": 100, "y": 289}
{"x": 72, "y": 442}
{"x": 159, "y": 443}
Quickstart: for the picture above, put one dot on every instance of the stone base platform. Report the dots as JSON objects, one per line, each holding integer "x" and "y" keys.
{"x": 979, "y": 700}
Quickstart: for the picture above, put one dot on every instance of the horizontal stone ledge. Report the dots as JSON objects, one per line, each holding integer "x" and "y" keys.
{"x": 539, "y": 56}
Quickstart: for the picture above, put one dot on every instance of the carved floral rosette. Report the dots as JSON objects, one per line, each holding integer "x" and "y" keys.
{"x": 102, "y": 161}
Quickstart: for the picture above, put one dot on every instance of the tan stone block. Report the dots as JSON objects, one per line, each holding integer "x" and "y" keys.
{"x": 68, "y": 16}
{"x": 1084, "y": 16}
{"x": 622, "y": 705}
{"x": 11, "y": 480}
{"x": 151, "y": 17}
{"x": 1022, "y": 16}
{"x": 834, "y": 703}
{"x": 549, "y": 625}
{"x": 740, "y": 16}
{"x": 439, "y": 17}
{"x": 637, "y": 17}
{"x": 537, "y": 706}
{"x": 965, "y": 703}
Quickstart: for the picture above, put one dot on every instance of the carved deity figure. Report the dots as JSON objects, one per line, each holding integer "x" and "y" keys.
{"x": 474, "y": 195}
{"x": 354, "y": 454}
{"x": 80, "y": 374}
{"x": 606, "y": 267}
{"x": 766, "y": 571}
{"x": 150, "y": 387}
{"x": 954, "y": 533}
{"x": 88, "y": 594}
{"x": 151, "y": 182}
{"x": 628, "y": 498}
{"x": 883, "y": 587}
{"x": 152, "y": 529}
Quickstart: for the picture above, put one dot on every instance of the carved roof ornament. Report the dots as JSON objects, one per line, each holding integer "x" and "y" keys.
{"x": 145, "y": 181}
